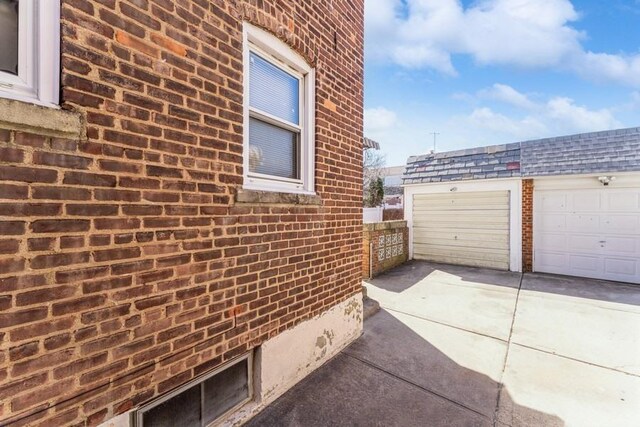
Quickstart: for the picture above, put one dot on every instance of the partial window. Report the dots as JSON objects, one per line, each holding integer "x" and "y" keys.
{"x": 29, "y": 50}
{"x": 279, "y": 116}
{"x": 202, "y": 401}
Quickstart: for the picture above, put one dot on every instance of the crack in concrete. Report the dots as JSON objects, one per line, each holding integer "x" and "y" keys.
{"x": 426, "y": 390}
{"x": 444, "y": 324}
{"x": 506, "y": 355}
{"x": 576, "y": 360}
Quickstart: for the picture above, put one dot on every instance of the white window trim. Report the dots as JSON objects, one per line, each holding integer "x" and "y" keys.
{"x": 277, "y": 52}
{"x": 38, "y": 81}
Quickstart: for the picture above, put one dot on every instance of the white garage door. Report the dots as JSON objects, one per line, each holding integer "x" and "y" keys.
{"x": 589, "y": 233}
{"x": 462, "y": 228}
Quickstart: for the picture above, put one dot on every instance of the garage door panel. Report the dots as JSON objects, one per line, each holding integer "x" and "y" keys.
{"x": 585, "y": 202}
{"x": 462, "y": 228}
{"x": 597, "y": 235}
{"x": 474, "y": 234}
{"x": 621, "y": 267}
{"x": 552, "y": 262}
{"x": 623, "y": 245}
{"x": 553, "y": 202}
{"x": 553, "y": 222}
{"x": 621, "y": 224}
{"x": 583, "y": 223}
{"x": 466, "y": 243}
{"x": 477, "y": 215}
{"x": 492, "y": 206}
{"x": 553, "y": 241}
{"x": 463, "y": 195}
{"x": 498, "y": 265}
{"x": 584, "y": 263}
{"x": 454, "y": 227}
{"x": 623, "y": 202}
{"x": 583, "y": 243}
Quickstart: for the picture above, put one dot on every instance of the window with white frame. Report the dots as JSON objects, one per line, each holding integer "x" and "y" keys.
{"x": 29, "y": 50}
{"x": 279, "y": 102}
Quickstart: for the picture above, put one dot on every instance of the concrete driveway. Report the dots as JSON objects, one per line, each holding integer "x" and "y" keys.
{"x": 459, "y": 346}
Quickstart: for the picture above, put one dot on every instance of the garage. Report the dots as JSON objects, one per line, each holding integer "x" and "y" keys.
{"x": 466, "y": 228}
{"x": 588, "y": 232}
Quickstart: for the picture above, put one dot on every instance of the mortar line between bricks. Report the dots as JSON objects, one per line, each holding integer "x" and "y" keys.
{"x": 506, "y": 354}
{"x": 391, "y": 374}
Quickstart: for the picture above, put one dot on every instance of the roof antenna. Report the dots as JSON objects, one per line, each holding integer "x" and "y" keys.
{"x": 435, "y": 135}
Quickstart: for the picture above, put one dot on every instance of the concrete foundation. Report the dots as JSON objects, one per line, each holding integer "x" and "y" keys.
{"x": 284, "y": 360}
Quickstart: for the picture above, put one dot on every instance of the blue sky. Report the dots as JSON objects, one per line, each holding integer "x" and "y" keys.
{"x": 495, "y": 71}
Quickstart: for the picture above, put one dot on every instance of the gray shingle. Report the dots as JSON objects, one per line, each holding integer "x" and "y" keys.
{"x": 595, "y": 152}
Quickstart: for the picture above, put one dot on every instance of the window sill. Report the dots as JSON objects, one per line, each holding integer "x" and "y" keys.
{"x": 245, "y": 196}
{"x": 50, "y": 121}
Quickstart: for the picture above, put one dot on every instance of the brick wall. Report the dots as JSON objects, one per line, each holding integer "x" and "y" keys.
{"x": 527, "y": 225}
{"x": 126, "y": 265}
{"x": 385, "y": 245}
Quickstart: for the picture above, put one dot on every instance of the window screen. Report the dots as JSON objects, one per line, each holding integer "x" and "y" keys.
{"x": 9, "y": 36}
{"x": 274, "y": 91}
{"x": 202, "y": 402}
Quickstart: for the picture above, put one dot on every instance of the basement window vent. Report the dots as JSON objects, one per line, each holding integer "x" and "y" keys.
{"x": 203, "y": 400}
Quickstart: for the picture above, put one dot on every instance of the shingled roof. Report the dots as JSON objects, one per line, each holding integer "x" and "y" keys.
{"x": 596, "y": 152}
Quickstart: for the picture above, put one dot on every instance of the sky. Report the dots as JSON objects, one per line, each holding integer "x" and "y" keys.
{"x": 497, "y": 71}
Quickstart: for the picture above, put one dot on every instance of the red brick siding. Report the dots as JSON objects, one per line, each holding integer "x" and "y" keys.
{"x": 126, "y": 267}
{"x": 527, "y": 225}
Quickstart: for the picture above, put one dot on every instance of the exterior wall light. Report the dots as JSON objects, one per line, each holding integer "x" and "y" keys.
{"x": 606, "y": 180}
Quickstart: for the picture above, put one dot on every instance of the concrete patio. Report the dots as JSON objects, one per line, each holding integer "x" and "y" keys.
{"x": 458, "y": 346}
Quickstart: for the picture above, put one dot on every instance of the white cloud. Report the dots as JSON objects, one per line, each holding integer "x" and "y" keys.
{"x": 555, "y": 116}
{"x": 507, "y": 94}
{"x": 524, "y": 33}
{"x": 602, "y": 66}
{"x": 579, "y": 118}
{"x": 378, "y": 120}
{"x": 487, "y": 119}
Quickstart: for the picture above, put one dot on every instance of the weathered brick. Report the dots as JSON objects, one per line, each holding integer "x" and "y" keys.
{"x": 42, "y": 394}
{"x": 16, "y": 387}
{"x": 40, "y": 295}
{"x": 9, "y": 246}
{"x": 45, "y": 361}
{"x": 57, "y": 341}
{"x": 14, "y": 173}
{"x": 11, "y": 155}
{"x": 61, "y": 193}
{"x": 106, "y": 313}
{"x": 61, "y": 160}
{"x": 89, "y": 179}
{"x": 59, "y": 225}
{"x": 77, "y": 305}
{"x": 93, "y": 209}
{"x": 106, "y": 342}
{"x": 116, "y": 254}
{"x": 11, "y": 191}
{"x": 22, "y": 351}
{"x": 22, "y": 316}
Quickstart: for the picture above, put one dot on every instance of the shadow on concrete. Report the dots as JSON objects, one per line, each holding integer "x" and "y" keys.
{"x": 411, "y": 273}
{"x": 578, "y": 287}
{"x": 392, "y": 376}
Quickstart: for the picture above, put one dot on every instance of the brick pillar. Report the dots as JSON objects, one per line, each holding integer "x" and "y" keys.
{"x": 527, "y": 225}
